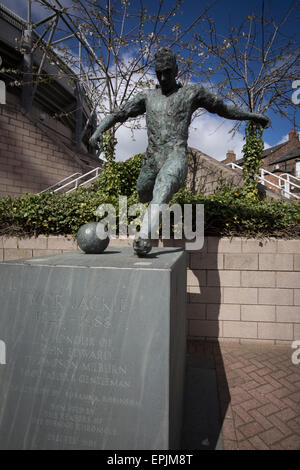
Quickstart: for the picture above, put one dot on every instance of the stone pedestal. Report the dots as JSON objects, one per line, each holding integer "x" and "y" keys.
{"x": 95, "y": 351}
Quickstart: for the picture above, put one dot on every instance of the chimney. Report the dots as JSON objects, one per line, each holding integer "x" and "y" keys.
{"x": 230, "y": 157}
{"x": 293, "y": 136}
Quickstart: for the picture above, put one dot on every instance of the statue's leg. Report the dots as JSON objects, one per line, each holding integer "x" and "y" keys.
{"x": 146, "y": 180}
{"x": 144, "y": 186}
{"x": 169, "y": 180}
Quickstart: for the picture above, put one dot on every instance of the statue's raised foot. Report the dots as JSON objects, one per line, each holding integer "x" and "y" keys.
{"x": 142, "y": 246}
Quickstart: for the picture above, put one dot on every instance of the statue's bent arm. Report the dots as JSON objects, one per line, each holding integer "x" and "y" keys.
{"x": 132, "y": 108}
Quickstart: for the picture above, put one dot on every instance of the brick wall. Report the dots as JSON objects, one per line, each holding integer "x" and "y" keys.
{"x": 205, "y": 174}
{"x": 274, "y": 180}
{"x": 284, "y": 166}
{"x": 238, "y": 289}
{"x": 30, "y": 159}
{"x": 245, "y": 290}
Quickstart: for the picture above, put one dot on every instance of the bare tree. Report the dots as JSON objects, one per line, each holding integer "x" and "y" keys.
{"x": 254, "y": 64}
{"x": 108, "y": 45}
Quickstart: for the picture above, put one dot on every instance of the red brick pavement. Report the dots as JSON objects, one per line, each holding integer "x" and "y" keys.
{"x": 259, "y": 394}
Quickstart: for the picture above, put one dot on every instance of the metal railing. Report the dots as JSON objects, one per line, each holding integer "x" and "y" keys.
{"x": 59, "y": 183}
{"x": 234, "y": 165}
{"x": 291, "y": 182}
{"x": 75, "y": 182}
{"x": 285, "y": 182}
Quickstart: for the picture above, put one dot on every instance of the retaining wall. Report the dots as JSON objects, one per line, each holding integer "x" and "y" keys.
{"x": 238, "y": 289}
{"x": 31, "y": 157}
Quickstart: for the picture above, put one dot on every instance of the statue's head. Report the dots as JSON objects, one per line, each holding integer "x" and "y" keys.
{"x": 166, "y": 68}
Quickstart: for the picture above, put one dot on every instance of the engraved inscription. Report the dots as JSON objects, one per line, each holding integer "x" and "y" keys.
{"x": 94, "y": 311}
{"x": 78, "y": 360}
{"x": 74, "y": 376}
{"x": 83, "y": 318}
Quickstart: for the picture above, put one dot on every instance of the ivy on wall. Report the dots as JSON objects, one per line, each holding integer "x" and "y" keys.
{"x": 252, "y": 151}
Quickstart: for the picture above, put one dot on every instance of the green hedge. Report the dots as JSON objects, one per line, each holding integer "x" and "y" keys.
{"x": 228, "y": 212}
{"x": 52, "y": 214}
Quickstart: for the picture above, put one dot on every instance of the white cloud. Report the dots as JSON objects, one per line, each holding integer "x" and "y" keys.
{"x": 283, "y": 139}
{"x": 129, "y": 143}
{"x": 211, "y": 135}
{"x": 267, "y": 146}
{"x": 208, "y": 133}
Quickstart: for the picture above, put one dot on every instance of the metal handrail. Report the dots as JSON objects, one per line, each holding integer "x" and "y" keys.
{"x": 284, "y": 187}
{"x": 84, "y": 183}
{"x": 76, "y": 180}
{"x": 280, "y": 178}
{"x": 288, "y": 177}
{"x": 284, "y": 190}
{"x": 234, "y": 165}
{"x": 59, "y": 182}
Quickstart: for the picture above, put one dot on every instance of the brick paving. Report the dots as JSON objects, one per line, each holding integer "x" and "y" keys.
{"x": 259, "y": 394}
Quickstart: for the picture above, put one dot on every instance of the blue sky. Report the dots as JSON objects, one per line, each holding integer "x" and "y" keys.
{"x": 207, "y": 133}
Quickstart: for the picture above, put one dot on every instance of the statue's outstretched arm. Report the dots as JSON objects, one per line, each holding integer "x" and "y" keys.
{"x": 132, "y": 108}
{"x": 214, "y": 104}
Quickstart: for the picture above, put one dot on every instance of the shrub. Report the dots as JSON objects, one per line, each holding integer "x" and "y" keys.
{"x": 120, "y": 177}
{"x": 227, "y": 212}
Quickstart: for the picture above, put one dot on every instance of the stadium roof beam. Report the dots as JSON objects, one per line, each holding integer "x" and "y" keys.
{"x": 38, "y": 51}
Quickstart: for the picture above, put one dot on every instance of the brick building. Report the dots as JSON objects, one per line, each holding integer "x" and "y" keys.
{"x": 38, "y": 148}
{"x": 282, "y": 160}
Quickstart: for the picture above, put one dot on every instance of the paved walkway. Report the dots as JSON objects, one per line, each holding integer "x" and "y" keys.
{"x": 259, "y": 394}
